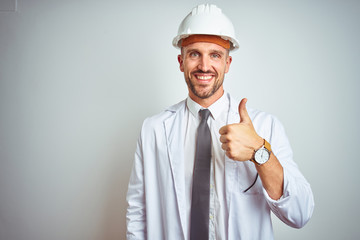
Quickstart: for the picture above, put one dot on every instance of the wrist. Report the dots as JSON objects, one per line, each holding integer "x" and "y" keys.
{"x": 259, "y": 143}
{"x": 262, "y": 154}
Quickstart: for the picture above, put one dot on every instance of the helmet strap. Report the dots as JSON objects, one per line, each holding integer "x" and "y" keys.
{"x": 205, "y": 38}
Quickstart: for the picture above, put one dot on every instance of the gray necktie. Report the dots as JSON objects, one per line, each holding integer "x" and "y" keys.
{"x": 199, "y": 228}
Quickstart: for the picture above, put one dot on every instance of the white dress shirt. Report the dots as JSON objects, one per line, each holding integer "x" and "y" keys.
{"x": 218, "y": 118}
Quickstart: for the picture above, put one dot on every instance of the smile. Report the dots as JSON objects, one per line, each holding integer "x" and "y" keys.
{"x": 204, "y": 77}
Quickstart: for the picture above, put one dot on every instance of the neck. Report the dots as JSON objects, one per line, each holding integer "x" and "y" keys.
{"x": 206, "y": 102}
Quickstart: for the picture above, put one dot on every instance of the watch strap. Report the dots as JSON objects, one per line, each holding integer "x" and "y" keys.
{"x": 267, "y": 145}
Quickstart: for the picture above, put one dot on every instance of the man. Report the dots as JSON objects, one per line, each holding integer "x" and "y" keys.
{"x": 208, "y": 167}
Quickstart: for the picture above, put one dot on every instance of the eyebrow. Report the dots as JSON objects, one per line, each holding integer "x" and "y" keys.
{"x": 218, "y": 52}
{"x": 210, "y": 51}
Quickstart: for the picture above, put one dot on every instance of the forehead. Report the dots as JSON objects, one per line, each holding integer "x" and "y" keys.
{"x": 204, "y": 47}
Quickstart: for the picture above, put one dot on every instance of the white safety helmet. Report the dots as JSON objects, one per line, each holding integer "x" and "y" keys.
{"x": 206, "y": 19}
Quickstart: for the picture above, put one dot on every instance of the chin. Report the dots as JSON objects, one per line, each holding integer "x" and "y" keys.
{"x": 204, "y": 95}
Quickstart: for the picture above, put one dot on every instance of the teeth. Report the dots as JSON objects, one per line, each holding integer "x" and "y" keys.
{"x": 204, "y": 77}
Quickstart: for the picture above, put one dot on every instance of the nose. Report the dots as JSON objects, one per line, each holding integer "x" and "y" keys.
{"x": 204, "y": 64}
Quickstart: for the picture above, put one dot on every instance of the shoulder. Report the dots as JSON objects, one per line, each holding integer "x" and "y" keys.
{"x": 259, "y": 118}
{"x": 257, "y": 115}
{"x": 160, "y": 118}
{"x": 268, "y": 126}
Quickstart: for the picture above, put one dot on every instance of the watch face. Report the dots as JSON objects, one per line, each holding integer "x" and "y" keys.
{"x": 262, "y": 156}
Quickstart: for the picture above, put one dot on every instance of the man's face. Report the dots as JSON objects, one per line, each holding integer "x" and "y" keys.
{"x": 204, "y": 66}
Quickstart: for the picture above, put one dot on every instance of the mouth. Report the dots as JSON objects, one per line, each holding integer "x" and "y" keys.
{"x": 204, "y": 78}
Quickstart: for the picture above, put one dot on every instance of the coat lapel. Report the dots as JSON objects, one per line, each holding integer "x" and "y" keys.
{"x": 175, "y": 132}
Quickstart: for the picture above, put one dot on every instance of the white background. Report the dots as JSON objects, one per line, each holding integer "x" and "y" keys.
{"x": 77, "y": 78}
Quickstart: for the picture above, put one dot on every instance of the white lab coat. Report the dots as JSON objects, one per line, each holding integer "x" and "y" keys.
{"x": 156, "y": 193}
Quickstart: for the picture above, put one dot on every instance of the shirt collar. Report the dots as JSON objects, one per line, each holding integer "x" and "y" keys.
{"x": 193, "y": 107}
{"x": 222, "y": 104}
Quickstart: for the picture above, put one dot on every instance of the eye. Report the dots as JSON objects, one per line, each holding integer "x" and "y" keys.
{"x": 194, "y": 54}
{"x": 215, "y": 55}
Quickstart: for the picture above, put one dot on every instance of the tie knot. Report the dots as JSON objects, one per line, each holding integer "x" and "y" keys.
{"x": 204, "y": 114}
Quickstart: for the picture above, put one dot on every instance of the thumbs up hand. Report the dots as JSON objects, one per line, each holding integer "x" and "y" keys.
{"x": 240, "y": 140}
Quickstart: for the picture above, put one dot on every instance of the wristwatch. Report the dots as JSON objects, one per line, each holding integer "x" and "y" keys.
{"x": 262, "y": 155}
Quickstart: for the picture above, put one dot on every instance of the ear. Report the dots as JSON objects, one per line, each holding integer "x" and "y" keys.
{"x": 181, "y": 62}
{"x": 228, "y": 62}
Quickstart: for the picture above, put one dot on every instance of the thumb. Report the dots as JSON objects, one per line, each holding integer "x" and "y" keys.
{"x": 244, "y": 116}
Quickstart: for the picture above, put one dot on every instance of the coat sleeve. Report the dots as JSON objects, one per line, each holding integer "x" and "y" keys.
{"x": 136, "y": 211}
{"x": 296, "y": 206}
